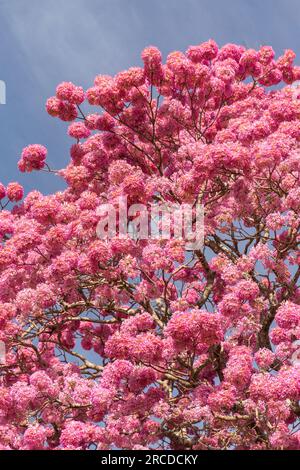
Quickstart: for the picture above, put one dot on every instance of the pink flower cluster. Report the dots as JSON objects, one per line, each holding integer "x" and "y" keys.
{"x": 14, "y": 192}
{"x": 136, "y": 343}
{"x": 33, "y": 158}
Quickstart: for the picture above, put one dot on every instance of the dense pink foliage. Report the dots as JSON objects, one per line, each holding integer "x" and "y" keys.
{"x": 135, "y": 344}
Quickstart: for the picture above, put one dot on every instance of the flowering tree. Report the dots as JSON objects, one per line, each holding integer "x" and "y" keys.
{"x": 135, "y": 344}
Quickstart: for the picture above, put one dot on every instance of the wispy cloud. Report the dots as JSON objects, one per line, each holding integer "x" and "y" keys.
{"x": 75, "y": 39}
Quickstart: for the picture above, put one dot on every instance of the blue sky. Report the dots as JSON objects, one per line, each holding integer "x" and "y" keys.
{"x": 45, "y": 42}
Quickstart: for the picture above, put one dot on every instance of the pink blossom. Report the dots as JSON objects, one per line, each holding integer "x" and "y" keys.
{"x": 288, "y": 315}
{"x": 15, "y": 192}
{"x": 34, "y": 437}
{"x": 33, "y": 158}
{"x": 191, "y": 328}
{"x": 2, "y": 191}
{"x": 264, "y": 358}
{"x": 78, "y": 130}
{"x": 69, "y": 92}
{"x": 206, "y": 51}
